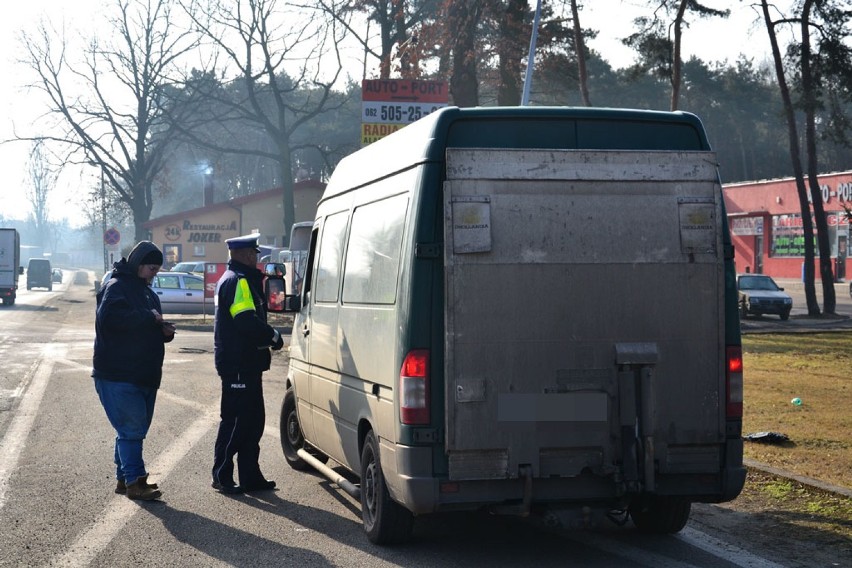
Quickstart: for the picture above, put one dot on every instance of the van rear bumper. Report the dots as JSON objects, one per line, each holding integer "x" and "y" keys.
{"x": 413, "y": 485}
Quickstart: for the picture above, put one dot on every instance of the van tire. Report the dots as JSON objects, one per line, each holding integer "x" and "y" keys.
{"x": 385, "y": 520}
{"x": 661, "y": 515}
{"x": 292, "y": 438}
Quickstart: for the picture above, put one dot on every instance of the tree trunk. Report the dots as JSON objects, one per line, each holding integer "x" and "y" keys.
{"x": 795, "y": 153}
{"x": 510, "y": 52}
{"x": 286, "y": 172}
{"x": 580, "y": 47}
{"x": 464, "y": 17}
{"x": 829, "y": 301}
{"x": 676, "y": 62}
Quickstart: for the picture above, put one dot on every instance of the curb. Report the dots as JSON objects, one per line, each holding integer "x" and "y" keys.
{"x": 803, "y": 479}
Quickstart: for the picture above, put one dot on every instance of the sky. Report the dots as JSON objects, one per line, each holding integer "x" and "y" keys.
{"x": 19, "y": 108}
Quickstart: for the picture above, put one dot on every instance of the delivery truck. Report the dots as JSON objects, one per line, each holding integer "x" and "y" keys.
{"x": 10, "y": 265}
{"x": 529, "y": 311}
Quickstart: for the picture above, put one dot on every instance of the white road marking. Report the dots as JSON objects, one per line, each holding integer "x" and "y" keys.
{"x": 724, "y": 550}
{"x": 120, "y": 509}
{"x": 630, "y": 553}
{"x": 15, "y": 439}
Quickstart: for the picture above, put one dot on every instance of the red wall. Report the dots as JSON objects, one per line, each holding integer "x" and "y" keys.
{"x": 779, "y": 197}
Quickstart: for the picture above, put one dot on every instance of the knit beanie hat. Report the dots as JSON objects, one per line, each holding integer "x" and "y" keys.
{"x": 153, "y": 257}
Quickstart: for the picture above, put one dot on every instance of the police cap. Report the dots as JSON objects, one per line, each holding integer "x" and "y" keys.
{"x": 244, "y": 242}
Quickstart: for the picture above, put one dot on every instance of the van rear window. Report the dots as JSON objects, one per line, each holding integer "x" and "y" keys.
{"x": 574, "y": 134}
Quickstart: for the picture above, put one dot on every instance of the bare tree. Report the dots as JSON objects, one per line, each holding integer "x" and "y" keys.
{"x": 833, "y": 36}
{"x": 109, "y": 106}
{"x": 41, "y": 182}
{"x": 580, "y": 47}
{"x": 258, "y": 38}
{"x": 661, "y": 35}
{"x": 795, "y": 158}
{"x": 398, "y": 22}
{"x": 511, "y": 45}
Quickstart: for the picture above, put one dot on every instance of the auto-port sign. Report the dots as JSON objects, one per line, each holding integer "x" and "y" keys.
{"x": 389, "y": 104}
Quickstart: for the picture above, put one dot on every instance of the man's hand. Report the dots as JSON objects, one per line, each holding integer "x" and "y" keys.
{"x": 168, "y": 330}
{"x": 277, "y": 341}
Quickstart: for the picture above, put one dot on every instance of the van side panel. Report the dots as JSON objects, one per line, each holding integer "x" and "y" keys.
{"x": 558, "y": 296}
{"x": 355, "y": 346}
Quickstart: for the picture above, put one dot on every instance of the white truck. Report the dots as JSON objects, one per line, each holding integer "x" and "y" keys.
{"x": 10, "y": 265}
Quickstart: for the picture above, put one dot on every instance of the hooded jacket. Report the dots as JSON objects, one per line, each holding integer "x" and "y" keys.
{"x": 129, "y": 342}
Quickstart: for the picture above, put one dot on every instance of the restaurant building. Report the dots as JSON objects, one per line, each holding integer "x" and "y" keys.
{"x": 766, "y": 225}
{"x": 200, "y": 234}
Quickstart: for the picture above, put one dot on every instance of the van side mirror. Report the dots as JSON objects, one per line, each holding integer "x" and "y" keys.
{"x": 277, "y": 299}
{"x": 21, "y": 270}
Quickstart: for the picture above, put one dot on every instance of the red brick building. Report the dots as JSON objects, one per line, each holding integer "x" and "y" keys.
{"x": 766, "y": 224}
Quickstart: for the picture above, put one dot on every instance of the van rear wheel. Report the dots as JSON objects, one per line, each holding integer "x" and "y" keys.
{"x": 661, "y": 515}
{"x": 385, "y": 520}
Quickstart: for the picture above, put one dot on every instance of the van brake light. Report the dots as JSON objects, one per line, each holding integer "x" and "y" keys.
{"x": 414, "y": 388}
{"x": 734, "y": 381}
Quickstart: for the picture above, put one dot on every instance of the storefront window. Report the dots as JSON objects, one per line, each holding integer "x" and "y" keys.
{"x": 788, "y": 236}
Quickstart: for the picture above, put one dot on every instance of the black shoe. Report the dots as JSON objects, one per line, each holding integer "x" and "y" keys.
{"x": 229, "y": 489}
{"x": 262, "y": 485}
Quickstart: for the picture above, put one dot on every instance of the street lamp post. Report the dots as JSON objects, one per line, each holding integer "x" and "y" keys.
{"x": 103, "y": 221}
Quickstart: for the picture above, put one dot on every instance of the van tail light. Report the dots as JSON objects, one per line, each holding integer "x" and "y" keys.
{"x": 414, "y": 388}
{"x": 734, "y": 381}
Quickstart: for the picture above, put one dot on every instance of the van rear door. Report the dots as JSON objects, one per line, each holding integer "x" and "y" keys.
{"x": 584, "y": 306}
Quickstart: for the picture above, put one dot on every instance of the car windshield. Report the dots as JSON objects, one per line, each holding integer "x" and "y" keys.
{"x": 757, "y": 283}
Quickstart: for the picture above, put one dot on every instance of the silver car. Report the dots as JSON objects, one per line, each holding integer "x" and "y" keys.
{"x": 759, "y": 294}
{"x": 197, "y": 267}
{"x": 181, "y": 293}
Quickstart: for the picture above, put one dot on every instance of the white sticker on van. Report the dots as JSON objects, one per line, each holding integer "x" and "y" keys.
{"x": 697, "y": 227}
{"x": 471, "y": 224}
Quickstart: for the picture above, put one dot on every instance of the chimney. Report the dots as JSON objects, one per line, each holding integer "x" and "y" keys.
{"x": 208, "y": 189}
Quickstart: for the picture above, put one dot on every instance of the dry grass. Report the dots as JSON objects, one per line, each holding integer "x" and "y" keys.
{"x": 817, "y": 368}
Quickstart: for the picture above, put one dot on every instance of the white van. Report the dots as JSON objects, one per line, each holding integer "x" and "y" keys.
{"x": 526, "y": 310}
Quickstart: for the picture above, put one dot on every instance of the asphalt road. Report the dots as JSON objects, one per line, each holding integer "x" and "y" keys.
{"x": 57, "y": 506}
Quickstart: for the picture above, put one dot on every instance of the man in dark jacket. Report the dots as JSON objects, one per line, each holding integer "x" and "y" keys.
{"x": 242, "y": 339}
{"x": 128, "y": 361}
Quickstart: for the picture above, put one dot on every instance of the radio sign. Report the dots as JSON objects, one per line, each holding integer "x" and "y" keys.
{"x": 389, "y": 104}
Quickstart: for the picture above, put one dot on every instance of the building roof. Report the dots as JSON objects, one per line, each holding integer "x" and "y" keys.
{"x": 230, "y": 204}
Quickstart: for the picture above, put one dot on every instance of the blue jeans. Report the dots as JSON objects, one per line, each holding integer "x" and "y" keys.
{"x": 129, "y": 409}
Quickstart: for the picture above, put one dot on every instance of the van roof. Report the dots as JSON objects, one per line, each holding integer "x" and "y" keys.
{"x": 518, "y": 127}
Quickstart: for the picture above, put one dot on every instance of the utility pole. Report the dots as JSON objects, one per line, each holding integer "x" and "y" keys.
{"x": 525, "y": 97}
{"x": 103, "y": 220}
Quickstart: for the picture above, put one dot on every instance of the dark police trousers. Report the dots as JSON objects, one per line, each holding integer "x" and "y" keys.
{"x": 243, "y": 418}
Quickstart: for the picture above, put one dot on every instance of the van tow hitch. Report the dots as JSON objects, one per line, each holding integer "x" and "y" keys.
{"x": 523, "y": 508}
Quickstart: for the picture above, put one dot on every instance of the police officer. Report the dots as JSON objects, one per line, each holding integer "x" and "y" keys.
{"x": 242, "y": 339}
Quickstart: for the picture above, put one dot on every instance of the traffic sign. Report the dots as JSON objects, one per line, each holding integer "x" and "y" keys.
{"x": 112, "y": 237}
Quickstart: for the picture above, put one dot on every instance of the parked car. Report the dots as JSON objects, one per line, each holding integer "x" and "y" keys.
{"x": 39, "y": 274}
{"x": 759, "y": 294}
{"x": 197, "y": 267}
{"x": 56, "y": 275}
{"x": 181, "y": 293}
